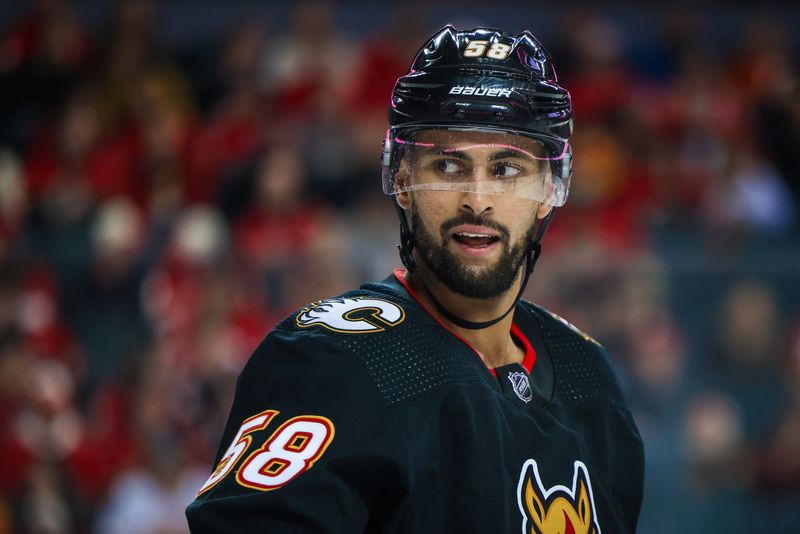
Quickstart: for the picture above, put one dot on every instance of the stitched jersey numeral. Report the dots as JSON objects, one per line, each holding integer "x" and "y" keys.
{"x": 240, "y": 444}
{"x": 288, "y": 452}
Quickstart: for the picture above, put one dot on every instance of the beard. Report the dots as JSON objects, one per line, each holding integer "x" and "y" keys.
{"x": 485, "y": 283}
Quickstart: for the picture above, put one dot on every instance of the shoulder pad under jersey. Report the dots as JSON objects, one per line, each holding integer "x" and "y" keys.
{"x": 581, "y": 365}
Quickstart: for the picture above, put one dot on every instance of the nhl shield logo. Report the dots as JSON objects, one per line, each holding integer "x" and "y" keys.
{"x": 521, "y": 386}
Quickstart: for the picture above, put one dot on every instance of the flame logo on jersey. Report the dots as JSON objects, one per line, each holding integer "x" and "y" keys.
{"x": 558, "y": 510}
{"x": 355, "y": 315}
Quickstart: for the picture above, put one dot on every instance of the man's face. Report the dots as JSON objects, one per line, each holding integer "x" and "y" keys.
{"x": 474, "y": 243}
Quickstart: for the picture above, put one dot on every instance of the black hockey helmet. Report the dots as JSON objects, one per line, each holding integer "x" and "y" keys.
{"x": 487, "y": 80}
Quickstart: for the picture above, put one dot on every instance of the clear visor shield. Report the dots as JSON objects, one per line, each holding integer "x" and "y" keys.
{"x": 477, "y": 161}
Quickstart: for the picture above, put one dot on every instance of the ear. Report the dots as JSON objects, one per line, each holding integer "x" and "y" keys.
{"x": 400, "y": 181}
{"x": 404, "y": 199}
{"x": 543, "y": 211}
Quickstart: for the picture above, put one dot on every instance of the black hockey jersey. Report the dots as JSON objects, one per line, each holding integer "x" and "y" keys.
{"x": 363, "y": 413}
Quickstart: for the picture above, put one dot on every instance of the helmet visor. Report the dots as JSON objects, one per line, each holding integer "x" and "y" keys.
{"x": 490, "y": 162}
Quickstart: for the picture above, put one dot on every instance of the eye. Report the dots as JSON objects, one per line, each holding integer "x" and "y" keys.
{"x": 448, "y": 166}
{"x": 506, "y": 170}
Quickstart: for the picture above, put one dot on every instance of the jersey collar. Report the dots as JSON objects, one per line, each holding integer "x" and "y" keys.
{"x": 530, "y": 353}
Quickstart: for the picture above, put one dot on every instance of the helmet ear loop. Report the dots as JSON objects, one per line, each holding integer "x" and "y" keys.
{"x": 535, "y": 250}
{"x": 406, "y": 246}
{"x": 393, "y": 153}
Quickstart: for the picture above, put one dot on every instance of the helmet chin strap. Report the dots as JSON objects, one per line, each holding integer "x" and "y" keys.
{"x": 406, "y": 248}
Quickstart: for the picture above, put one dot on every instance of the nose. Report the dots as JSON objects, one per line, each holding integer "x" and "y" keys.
{"x": 478, "y": 203}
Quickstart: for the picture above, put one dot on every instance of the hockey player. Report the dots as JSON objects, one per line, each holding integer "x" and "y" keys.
{"x": 437, "y": 400}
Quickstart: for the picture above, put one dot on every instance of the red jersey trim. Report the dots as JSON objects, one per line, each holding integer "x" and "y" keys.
{"x": 530, "y": 353}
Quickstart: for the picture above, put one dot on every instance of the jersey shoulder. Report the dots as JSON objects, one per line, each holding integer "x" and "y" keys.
{"x": 406, "y": 353}
{"x": 372, "y": 311}
{"x": 583, "y": 372}
{"x": 365, "y": 310}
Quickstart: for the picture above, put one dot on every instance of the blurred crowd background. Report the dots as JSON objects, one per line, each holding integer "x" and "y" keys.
{"x": 175, "y": 177}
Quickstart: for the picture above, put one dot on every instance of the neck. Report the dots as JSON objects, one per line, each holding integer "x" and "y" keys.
{"x": 494, "y": 343}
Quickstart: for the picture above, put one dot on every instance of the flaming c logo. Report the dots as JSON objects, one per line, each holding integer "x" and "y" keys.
{"x": 558, "y": 510}
{"x": 355, "y": 315}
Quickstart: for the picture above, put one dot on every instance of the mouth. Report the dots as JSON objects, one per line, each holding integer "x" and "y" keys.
{"x": 475, "y": 240}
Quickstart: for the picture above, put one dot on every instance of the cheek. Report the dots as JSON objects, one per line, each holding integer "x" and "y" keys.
{"x": 520, "y": 218}
{"x": 433, "y": 207}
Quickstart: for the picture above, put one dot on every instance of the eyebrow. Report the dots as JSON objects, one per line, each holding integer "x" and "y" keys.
{"x": 458, "y": 154}
{"x": 439, "y": 151}
{"x": 503, "y": 154}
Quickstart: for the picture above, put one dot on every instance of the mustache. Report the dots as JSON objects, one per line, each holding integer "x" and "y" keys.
{"x": 477, "y": 220}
